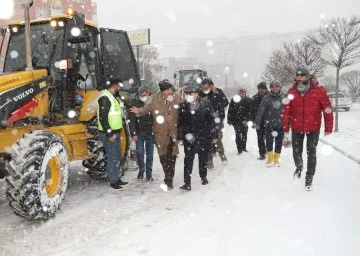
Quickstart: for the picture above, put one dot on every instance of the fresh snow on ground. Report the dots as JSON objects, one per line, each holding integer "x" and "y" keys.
{"x": 247, "y": 209}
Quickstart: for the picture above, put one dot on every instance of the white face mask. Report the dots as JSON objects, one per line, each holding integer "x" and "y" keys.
{"x": 207, "y": 91}
{"x": 189, "y": 98}
{"x": 143, "y": 99}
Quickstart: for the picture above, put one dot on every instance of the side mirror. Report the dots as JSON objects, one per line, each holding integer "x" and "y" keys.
{"x": 205, "y": 74}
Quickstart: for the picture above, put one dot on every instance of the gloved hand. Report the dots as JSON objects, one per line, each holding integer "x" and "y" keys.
{"x": 286, "y": 140}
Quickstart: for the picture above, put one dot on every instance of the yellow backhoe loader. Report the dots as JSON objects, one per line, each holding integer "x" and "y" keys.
{"x": 48, "y": 104}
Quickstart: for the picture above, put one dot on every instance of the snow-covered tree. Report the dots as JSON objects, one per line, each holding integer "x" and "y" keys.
{"x": 351, "y": 80}
{"x": 339, "y": 39}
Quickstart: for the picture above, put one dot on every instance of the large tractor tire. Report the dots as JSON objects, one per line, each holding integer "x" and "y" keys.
{"x": 38, "y": 175}
{"x": 3, "y": 171}
{"x": 96, "y": 166}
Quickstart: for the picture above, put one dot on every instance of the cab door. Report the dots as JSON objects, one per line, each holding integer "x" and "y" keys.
{"x": 118, "y": 59}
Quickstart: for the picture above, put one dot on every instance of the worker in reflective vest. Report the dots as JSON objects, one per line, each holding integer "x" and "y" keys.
{"x": 110, "y": 123}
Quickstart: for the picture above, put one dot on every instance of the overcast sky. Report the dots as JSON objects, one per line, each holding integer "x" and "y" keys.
{"x": 171, "y": 21}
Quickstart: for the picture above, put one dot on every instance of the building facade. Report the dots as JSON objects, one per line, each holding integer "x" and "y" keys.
{"x": 46, "y": 8}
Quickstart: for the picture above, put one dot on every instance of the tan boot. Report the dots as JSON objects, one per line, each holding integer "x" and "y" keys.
{"x": 277, "y": 159}
{"x": 270, "y": 158}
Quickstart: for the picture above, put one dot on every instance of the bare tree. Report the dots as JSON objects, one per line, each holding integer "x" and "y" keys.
{"x": 329, "y": 82}
{"x": 340, "y": 41}
{"x": 351, "y": 80}
{"x": 278, "y": 68}
{"x": 283, "y": 62}
{"x": 150, "y": 66}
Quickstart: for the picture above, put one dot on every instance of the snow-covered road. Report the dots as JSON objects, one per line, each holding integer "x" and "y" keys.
{"x": 247, "y": 209}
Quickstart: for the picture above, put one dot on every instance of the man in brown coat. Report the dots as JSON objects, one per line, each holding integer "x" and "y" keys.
{"x": 164, "y": 107}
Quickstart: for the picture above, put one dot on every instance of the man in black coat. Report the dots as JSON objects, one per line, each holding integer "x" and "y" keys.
{"x": 196, "y": 132}
{"x": 239, "y": 116}
{"x": 256, "y": 101}
{"x": 141, "y": 133}
{"x": 218, "y": 102}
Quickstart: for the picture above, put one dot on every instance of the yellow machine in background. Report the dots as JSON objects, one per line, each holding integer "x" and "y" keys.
{"x": 48, "y": 112}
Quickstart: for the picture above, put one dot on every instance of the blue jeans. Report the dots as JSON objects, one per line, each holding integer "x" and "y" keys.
{"x": 145, "y": 144}
{"x": 113, "y": 156}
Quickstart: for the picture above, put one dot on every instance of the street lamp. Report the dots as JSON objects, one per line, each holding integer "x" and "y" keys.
{"x": 226, "y": 68}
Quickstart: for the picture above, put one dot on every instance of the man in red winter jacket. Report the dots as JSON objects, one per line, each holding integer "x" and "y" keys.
{"x": 306, "y": 102}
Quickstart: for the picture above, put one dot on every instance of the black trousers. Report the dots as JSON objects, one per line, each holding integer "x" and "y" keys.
{"x": 190, "y": 152}
{"x": 276, "y": 135}
{"x": 168, "y": 163}
{"x": 261, "y": 140}
{"x": 241, "y": 136}
{"x": 312, "y": 140}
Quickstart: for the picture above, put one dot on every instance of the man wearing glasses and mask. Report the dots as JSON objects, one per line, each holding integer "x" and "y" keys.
{"x": 306, "y": 103}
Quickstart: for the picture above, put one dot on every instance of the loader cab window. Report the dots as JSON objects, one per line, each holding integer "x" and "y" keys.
{"x": 117, "y": 59}
{"x": 46, "y": 47}
{"x": 83, "y": 53}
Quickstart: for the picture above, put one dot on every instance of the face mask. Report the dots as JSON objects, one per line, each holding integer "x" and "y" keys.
{"x": 143, "y": 99}
{"x": 207, "y": 91}
{"x": 189, "y": 98}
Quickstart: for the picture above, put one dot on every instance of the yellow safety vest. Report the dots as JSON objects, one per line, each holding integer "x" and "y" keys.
{"x": 114, "y": 116}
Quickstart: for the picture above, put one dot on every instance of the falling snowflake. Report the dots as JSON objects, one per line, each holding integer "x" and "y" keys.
{"x": 285, "y": 101}
{"x": 236, "y": 98}
{"x": 290, "y": 96}
{"x": 71, "y": 114}
{"x": 274, "y": 134}
{"x": 160, "y": 119}
{"x": 75, "y": 31}
{"x": 170, "y": 98}
{"x": 189, "y": 137}
{"x": 14, "y": 54}
{"x": 328, "y": 110}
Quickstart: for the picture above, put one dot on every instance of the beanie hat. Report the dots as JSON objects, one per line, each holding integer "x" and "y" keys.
{"x": 262, "y": 85}
{"x": 164, "y": 85}
{"x": 274, "y": 83}
{"x": 143, "y": 88}
{"x": 302, "y": 70}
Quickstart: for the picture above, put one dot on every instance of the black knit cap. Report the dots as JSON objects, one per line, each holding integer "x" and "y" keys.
{"x": 165, "y": 84}
{"x": 207, "y": 81}
{"x": 113, "y": 81}
{"x": 192, "y": 88}
{"x": 262, "y": 85}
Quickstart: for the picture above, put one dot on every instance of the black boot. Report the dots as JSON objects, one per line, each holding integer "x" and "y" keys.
{"x": 122, "y": 183}
{"x": 204, "y": 181}
{"x": 297, "y": 173}
{"x": 140, "y": 175}
{"x": 186, "y": 187}
{"x": 116, "y": 185}
{"x": 149, "y": 178}
{"x": 308, "y": 182}
{"x": 262, "y": 157}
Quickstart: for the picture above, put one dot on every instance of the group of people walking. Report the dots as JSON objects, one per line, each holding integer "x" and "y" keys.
{"x": 166, "y": 120}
